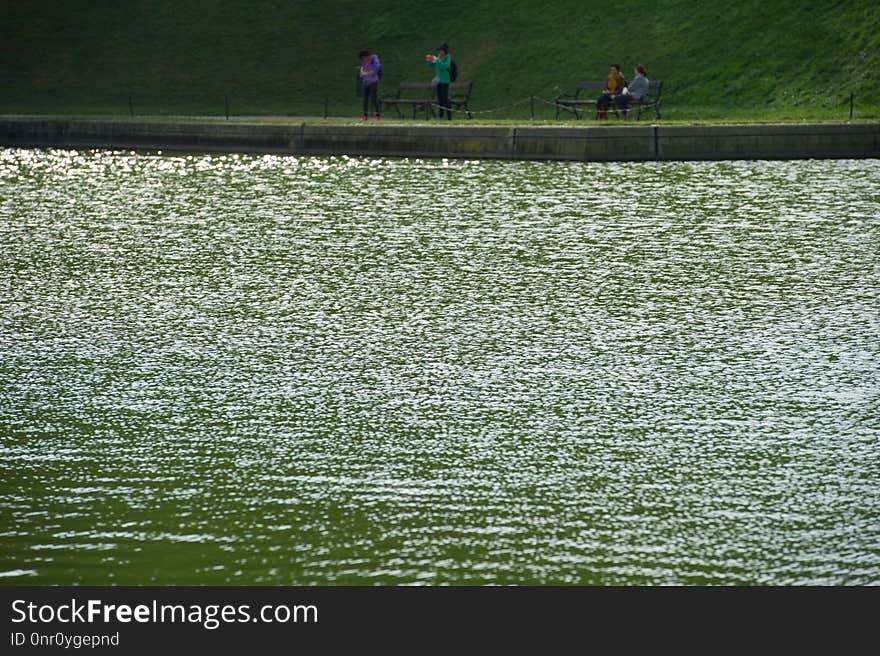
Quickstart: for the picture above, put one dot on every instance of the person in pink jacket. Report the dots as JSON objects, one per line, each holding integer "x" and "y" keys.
{"x": 370, "y": 70}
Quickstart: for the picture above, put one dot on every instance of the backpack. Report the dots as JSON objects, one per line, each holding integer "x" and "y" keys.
{"x": 453, "y": 71}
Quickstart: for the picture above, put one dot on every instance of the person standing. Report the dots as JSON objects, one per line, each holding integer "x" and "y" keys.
{"x": 370, "y": 69}
{"x": 613, "y": 87}
{"x": 441, "y": 63}
{"x": 634, "y": 92}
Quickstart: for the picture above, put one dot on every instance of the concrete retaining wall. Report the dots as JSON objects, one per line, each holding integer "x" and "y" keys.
{"x": 824, "y": 140}
{"x": 593, "y": 143}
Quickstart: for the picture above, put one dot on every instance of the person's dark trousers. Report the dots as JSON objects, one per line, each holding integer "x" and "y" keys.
{"x": 622, "y": 101}
{"x": 602, "y": 105}
{"x": 443, "y": 100}
{"x": 371, "y": 91}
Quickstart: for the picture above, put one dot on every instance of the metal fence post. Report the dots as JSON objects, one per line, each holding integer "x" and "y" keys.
{"x": 851, "y": 97}
{"x": 533, "y": 107}
{"x": 326, "y": 106}
{"x": 226, "y": 106}
{"x": 130, "y": 105}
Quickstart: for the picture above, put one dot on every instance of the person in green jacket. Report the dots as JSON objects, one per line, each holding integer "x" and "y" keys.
{"x": 441, "y": 63}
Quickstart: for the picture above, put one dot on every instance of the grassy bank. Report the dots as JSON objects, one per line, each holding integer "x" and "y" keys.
{"x": 720, "y": 61}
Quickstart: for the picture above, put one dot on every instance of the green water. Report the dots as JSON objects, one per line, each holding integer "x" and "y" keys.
{"x": 228, "y": 369}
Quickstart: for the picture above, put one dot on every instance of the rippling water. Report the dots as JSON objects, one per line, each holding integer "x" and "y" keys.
{"x": 292, "y": 370}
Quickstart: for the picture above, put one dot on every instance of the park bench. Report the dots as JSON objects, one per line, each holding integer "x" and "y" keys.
{"x": 421, "y": 96}
{"x": 587, "y": 92}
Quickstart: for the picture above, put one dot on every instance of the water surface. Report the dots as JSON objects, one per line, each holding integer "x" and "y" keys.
{"x": 229, "y": 369}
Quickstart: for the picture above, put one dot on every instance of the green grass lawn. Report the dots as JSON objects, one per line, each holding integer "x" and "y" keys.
{"x": 748, "y": 60}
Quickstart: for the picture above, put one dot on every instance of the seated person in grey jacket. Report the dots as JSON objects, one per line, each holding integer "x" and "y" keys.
{"x": 634, "y": 92}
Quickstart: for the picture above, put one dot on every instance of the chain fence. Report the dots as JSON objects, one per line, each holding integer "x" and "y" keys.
{"x": 532, "y": 107}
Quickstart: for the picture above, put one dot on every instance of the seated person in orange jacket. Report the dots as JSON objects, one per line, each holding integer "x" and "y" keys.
{"x": 613, "y": 87}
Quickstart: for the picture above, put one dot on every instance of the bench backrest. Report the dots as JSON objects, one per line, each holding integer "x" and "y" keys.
{"x": 413, "y": 86}
{"x": 457, "y": 89}
{"x": 588, "y": 87}
{"x": 428, "y": 85}
{"x": 654, "y": 87}
{"x": 461, "y": 91}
